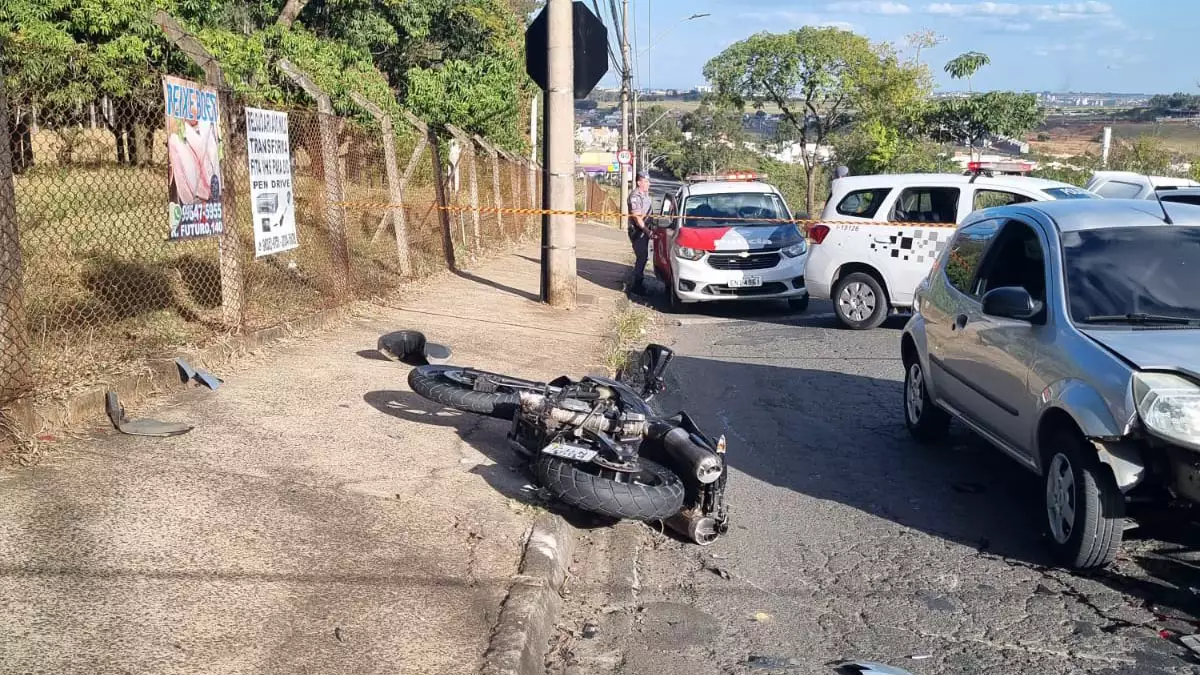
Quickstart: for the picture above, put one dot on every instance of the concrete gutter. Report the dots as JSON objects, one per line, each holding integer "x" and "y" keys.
{"x": 530, "y": 612}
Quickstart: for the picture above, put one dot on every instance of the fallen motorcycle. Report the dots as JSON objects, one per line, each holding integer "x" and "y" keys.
{"x": 596, "y": 444}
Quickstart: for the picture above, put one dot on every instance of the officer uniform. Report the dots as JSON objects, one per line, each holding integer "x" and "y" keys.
{"x": 640, "y": 203}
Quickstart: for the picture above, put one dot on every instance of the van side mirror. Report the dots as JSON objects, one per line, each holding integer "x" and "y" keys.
{"x": 1011, "y": 302}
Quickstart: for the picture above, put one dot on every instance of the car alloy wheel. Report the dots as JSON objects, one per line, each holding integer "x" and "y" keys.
{"x": 914, "y": 393}
{"x": 857, "y": 301}
{"x": 1060, "y": 498}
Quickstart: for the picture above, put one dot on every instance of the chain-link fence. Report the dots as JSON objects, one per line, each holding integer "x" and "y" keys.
{"x": 92, "y": 284}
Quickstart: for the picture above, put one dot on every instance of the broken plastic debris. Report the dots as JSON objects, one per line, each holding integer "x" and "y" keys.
{"x": 921, "y": 657}
{"x": 208, "y": 379}
{"x": 762, "y": 617}
{"x": 757, "y": 661}
{"x": 867, "y": 668}
{"x": 590, "y": 630}
{"x": 116, "y": 413}
{"x": 1192, "y": 642}
{"x": 186, "y": 372}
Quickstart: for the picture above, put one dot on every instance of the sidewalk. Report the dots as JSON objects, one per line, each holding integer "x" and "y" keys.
{"x": 320, "y": 518}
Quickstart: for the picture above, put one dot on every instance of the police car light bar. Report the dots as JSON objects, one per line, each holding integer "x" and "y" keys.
{"x": 1000, "y": 167}
{"x": 734, "y": 176}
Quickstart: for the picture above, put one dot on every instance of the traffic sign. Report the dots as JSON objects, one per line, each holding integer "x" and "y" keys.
{"x": 591, "y": 49}
{"x": 625, "y": 157}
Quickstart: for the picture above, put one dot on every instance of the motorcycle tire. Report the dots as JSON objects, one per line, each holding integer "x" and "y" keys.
{"x": 432, "y": 383}
{"x": 657, "y": 496}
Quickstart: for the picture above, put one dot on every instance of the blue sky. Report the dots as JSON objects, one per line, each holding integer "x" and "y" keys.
{"x": 1145, "y": 46}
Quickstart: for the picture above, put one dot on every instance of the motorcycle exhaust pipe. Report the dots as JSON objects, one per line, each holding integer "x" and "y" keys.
{"x": 701, "y": 529}
{"x": 704, "y": 465}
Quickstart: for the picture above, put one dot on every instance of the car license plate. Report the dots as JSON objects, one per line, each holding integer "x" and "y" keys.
{"x": 569, "y": 451}
{"x": 746, "y": 282}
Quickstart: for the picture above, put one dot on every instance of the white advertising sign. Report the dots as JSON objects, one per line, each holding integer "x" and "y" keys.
{"x": 270, "y": 182}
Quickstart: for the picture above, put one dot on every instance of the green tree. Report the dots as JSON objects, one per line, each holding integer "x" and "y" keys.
{"x": 661, "y": 137}
{"x": 966, "y": 65}
{"x": 1144, "y": 154}
{"x": 819, "y": 78}
{"x": 971, "y": 120}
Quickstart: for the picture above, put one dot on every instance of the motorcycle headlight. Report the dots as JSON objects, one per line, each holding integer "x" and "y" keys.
{"x": 688, "y": 253}
{"x": 1169, "y": 406}
{"x": 795, "y": 250}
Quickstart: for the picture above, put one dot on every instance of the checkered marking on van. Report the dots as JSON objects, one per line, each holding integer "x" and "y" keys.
{"x": 919, "y": 245}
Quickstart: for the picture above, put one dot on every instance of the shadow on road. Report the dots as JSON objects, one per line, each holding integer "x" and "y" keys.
{"x": 841, "y": 437}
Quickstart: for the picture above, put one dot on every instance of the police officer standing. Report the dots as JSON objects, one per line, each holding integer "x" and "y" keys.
{"x": 640, "y": 204}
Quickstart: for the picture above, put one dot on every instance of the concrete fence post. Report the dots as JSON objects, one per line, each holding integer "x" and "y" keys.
{"x": 497, "y": 201}
{"x": 229, "y": 244}
{"x": 439, "y": 185}
{"x": 472, "y": 177}
{"x": 395, "y": 212}
{"x": 335, "y": 195}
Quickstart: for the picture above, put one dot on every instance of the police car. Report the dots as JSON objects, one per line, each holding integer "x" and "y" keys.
{"x": 729, "y": 237}
{"x": 879, "y": 235}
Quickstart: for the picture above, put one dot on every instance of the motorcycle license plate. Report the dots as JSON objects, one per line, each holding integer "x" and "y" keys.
{"x": 746, "y": 282}
{"x": 569, "y": 451}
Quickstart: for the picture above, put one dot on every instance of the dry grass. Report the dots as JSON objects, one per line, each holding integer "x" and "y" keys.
{"x": 1078, "y": 138}
{"x": 629, "y": 324}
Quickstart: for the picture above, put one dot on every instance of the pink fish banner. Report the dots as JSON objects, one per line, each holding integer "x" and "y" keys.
{"x": 194, "y": 151}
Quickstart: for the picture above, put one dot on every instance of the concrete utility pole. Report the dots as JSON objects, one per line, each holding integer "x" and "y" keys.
{"x": 626, "y": 76}
{"x": 558, "y": 230}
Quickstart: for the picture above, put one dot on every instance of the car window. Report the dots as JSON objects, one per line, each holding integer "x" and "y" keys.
{"x": 1070, "y": 193}
{"x": 1132, "y": 270}
{"x": 1181, "y": 199}
{"x": 966, "y": 252}
{"x": 733, "y": 208}
{"x": 863, "y": 203}
{"x": 927, "y": 205}
{"x": 986, "y": 199}
{"x": 1016, "y": 259}
{"x": 1115, "y": 189}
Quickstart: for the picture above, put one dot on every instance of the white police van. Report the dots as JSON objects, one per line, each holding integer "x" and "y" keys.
{"x": 879, "y": 235}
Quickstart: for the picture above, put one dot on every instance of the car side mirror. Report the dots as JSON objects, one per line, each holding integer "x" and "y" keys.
{"x": 1011, "y": 302}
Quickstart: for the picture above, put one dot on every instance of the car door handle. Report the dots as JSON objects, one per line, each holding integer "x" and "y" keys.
{"x": 960, "y": 322}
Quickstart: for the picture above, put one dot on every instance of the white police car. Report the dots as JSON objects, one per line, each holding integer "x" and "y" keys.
{"x": 729, "y": 237}
{"x": 879, "y": 235}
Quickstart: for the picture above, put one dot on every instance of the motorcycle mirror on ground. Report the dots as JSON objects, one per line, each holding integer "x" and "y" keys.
{"x": 648, "y": 371}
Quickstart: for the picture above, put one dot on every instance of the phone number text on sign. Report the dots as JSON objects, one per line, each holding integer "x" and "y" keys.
{"x": 271, "y": 194}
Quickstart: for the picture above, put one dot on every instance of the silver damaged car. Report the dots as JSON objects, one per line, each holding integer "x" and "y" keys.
{"x": 1067, "y": 334}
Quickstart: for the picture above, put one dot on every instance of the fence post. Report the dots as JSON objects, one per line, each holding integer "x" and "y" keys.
{"x": 473, "y": 178}
{"x": 229, "y": 245}
{"x": 15, "y": 357}
{"x": 335, "y": 196}
{"x": 513, "y": 165}
{"x": 439, "y": 185}
{"x": 395, "y": 212}
{"x": 496, "y": 199}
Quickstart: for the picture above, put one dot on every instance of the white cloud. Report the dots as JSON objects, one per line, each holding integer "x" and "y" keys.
{"x": 795, "y": 19}
{"x": 1062, "y": 11}
{"x": 870, "y": 7}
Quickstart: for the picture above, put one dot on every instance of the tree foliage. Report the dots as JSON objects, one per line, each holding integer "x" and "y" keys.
{"x": 964, "y": 66}
{"x": 820, "y": 78}
{"x": 967, "y": 121}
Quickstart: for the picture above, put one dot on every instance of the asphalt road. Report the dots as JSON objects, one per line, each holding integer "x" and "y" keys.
{"x": 850, "y": 540}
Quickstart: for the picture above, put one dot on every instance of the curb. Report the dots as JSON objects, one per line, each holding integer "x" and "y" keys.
{"x": 530, "y": 612}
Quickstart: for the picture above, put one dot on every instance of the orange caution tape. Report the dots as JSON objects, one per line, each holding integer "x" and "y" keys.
{"x": 617, "y": 214}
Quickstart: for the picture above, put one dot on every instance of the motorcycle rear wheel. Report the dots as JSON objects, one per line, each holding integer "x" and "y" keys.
{"x": 449, "y": 385}
{"x": 655, "y": 493}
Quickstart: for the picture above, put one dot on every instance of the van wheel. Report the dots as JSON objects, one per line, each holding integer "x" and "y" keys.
{"x": 859, "y": 301}
{"x": 1085, "y": 510}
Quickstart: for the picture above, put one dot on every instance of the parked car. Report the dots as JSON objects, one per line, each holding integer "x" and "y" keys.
{"x": 1131, "y": 185}
{"x": 729, "y": 237}
{"x": 870, "y": 268}
{"x": 1067, "y": 333}
{"x": 1181, "y": 195}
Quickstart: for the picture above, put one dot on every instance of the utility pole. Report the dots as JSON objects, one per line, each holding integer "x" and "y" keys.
{"x": 626, "y": 76}
{"x": 558, "y": 230}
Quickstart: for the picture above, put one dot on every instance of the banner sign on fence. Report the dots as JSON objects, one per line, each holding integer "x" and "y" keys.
{"x": 194, "y": 153}
{"x": 270, "y": 182}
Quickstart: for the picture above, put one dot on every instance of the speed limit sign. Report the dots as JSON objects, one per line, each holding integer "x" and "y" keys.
{"x": 625, "y": 157}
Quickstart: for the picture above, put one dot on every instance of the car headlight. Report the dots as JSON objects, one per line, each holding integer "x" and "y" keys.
{"x": 1169, "y": 406}
{"x": 795, "y": 250}
{"x": 688, "y": 253}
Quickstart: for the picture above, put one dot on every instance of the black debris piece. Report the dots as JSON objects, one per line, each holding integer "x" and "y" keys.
{"x": 156, "y": 428}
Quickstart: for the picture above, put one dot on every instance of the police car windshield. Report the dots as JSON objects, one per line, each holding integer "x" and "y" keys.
{"x": 733, "y": 209}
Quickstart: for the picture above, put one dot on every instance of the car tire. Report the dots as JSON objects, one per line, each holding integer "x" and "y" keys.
{"x": 674, "y": 304}
{"x": 925, "y": 420}
{"x": 798, "y": 304}
{"x": 859, "y": 301}
{"x": 1085, "y": 510}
